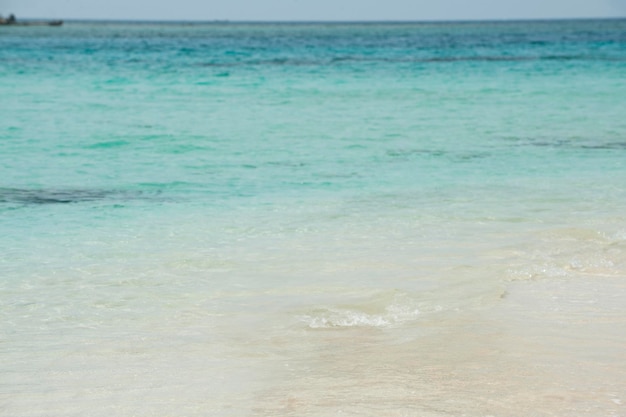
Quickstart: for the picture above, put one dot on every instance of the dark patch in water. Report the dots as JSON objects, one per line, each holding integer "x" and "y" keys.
{"x": 109, "y": 144}
{"x": 571, "y": 144}
{"x": 407, "y": 153}
{"x": 404, "y": 154}
{"x": 24, "y": 196}
{"x": 367, "y": 59}
{"x": 609, "y": 145}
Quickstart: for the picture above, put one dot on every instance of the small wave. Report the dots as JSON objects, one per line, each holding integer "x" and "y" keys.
{"x": 563, "y": 253}
{"x": 372, "y": 314}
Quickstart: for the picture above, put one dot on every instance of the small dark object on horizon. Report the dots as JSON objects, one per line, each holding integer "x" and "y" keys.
{"x": 12, "y": 21}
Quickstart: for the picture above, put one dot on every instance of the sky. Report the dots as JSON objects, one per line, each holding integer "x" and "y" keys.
{"x": 312, "y": 10}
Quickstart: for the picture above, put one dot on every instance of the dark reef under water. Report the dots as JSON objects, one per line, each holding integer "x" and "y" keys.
{"x": 40, "y": 196}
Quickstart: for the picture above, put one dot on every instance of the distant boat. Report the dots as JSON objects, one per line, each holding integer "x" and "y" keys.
{"x": 12, "y": 21}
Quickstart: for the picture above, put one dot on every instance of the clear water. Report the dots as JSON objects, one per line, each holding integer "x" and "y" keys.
{"x": 313, "y": 219}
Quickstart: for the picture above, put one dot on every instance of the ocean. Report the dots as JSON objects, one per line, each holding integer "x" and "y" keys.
{"x": 313, "y": 219}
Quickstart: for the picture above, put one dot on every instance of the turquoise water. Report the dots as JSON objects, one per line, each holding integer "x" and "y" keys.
{"x": 313, "y": 219}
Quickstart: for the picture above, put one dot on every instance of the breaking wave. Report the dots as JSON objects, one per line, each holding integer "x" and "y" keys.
{"x": 384, "y": 310}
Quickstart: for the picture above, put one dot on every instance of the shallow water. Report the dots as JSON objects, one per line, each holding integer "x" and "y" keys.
{"x": 313, "y": 219}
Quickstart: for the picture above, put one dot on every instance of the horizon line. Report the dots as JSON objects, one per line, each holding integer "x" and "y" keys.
{"x": 327, "y": 21}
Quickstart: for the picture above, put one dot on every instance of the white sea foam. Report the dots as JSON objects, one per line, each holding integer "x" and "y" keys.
{"x": 399, "y": 310}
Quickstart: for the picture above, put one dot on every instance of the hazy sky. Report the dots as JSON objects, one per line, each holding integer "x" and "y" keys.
{"x": 312, "y": 9}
